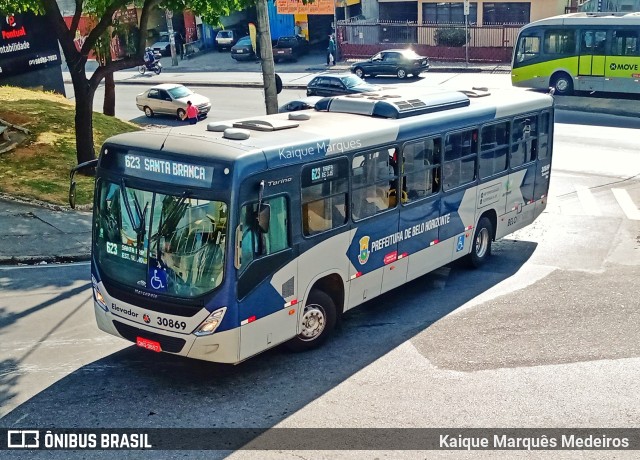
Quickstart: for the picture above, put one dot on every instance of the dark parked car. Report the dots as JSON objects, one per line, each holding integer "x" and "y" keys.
{"x": 400, "y": 63}
{"x": 243, "y": 50}
{"x": 304, "y": 103}
{"x": 335, "y": 84}
{"x": 290, "y": 48}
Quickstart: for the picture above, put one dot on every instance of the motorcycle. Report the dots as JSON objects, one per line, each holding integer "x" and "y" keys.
{"x": 154, "y": 66}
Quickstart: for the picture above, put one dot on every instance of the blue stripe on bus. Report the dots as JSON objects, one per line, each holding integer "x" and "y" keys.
{"x": 260, "y": 302}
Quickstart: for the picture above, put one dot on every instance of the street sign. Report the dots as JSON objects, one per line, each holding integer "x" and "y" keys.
{"x": 466, "y": 7}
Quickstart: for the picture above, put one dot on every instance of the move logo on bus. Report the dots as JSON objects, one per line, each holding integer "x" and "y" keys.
{"x": 614, "y": 66}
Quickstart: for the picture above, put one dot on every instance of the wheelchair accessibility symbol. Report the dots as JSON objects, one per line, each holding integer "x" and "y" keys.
{"x": 460, "y": 243}
{"x": 158, "y": 279}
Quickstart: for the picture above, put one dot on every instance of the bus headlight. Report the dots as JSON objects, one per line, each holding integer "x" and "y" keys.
{"x": 211, "y": 323}
{"x": 99, "y": 298}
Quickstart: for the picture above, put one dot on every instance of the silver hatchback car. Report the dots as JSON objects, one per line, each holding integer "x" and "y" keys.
{"x": 171, "y": 99}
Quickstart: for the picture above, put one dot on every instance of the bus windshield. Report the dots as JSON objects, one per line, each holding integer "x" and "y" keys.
{"x": 173, "y": 245}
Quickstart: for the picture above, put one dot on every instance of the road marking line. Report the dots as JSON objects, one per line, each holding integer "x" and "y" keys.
{"x": 626, "y": 203}
{"x": 587, "y": 201}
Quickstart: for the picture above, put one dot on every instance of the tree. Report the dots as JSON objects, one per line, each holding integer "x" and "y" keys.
{"x": 266, "y": 51}
{"x": 105, "y": 11}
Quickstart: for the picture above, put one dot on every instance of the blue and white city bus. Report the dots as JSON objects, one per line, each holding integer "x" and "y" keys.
{"x": 220, "y": 241}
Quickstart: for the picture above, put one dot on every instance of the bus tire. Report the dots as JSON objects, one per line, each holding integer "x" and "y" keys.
{"x": 481, "y": 244}
{"x": 562, "y": 84}
{"x": 317, "y": 322}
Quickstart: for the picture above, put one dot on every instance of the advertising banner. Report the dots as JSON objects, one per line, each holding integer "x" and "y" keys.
{"x": 297, "y": 7}
{"x": 26, "y": 44}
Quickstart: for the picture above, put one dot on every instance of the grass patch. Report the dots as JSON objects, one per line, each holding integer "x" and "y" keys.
{"x": 39, "y": 169}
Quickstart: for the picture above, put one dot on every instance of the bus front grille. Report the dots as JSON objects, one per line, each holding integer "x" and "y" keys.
{"x": 170, "y": 344}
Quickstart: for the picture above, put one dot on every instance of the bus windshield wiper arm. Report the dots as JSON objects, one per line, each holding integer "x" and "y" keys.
{"x": 138, "y": 228}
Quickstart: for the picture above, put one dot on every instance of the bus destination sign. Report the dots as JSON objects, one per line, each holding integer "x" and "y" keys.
{"x": 175, "y": 172}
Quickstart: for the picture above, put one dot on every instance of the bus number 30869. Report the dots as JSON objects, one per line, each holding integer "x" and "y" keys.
{"x": 171, "y": 323}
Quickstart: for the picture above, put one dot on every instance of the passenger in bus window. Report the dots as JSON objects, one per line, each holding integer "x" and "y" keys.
{"x": 252, "y": 244}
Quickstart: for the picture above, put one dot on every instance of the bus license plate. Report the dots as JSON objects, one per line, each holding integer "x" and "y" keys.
{"x": 148, "y": 344}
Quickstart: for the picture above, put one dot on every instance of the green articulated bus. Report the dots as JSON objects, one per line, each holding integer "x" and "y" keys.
{"x": 579, "y": 52}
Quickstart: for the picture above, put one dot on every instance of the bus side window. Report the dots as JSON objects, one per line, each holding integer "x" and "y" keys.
{"x": 421, "y": 168}
{"x": 460, "y": 158}
{"x": 324, "y": 196}
{"x": 524, "y": 147}
{"x": 372, "y": 188}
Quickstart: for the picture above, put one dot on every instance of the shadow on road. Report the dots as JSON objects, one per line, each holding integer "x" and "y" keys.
{"x": 139, "y": 389}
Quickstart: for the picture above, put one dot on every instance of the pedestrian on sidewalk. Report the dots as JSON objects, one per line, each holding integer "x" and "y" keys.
{"x": 179, "y": 42}
{"x": 331, "y": 51}
{"x": 192, "y": 113}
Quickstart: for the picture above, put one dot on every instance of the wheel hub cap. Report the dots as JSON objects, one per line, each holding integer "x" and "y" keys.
{"x": 313, "y": 323}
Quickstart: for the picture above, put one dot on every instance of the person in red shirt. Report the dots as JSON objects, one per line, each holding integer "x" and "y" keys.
{"x": 192, "y": 113}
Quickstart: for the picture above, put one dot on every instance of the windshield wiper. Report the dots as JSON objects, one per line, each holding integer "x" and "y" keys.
{"x": 141, "y": 215}
{"x": 167, "y": 221}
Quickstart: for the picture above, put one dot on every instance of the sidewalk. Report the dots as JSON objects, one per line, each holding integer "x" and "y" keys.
{"x": 40, "y": 233}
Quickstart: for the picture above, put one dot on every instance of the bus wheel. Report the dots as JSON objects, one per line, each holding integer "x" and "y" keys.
{"x": 317, "y": 322}
{"x": 481, "y": 244}
{"x": 563, "y": 84}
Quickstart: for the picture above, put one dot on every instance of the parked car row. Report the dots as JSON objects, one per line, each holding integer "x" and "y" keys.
{"x": 171, "y": 99}
{"x": 285, "y": 48}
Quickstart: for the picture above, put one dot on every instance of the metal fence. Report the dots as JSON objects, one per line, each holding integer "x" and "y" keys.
{"x": 486, "y": 43}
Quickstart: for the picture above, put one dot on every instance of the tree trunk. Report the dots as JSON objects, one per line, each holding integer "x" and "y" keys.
{"x": 84, "y": 118}
{"x": 109, "y": 104}
{"x": 266, "y": 52}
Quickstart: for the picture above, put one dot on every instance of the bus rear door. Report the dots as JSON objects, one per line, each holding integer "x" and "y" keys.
{"x": 591, "y": 63}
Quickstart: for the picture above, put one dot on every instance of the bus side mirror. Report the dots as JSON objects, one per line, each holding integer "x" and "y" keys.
{"x": 72, "y": 182}
{"x": 264, "y": 217}
{"x": 72, "y": 194}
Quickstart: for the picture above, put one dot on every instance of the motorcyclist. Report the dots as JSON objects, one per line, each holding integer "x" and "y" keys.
{"x": 149, "y": 58}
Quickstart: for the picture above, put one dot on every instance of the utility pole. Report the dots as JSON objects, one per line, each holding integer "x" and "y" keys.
{"x": 172, "y": 40}
{"x": 266, "y": 55}
{"x": 466, "y": 32}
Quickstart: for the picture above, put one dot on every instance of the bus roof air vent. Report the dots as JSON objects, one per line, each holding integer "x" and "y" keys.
{"x": 218, "y": 127}
{"x": 265, "y": 125}
{"x": 236, "y": 134}
{"x": 299, "y": 116}
{"x": 395, "y": 106}
{"x": 476, "y": 92}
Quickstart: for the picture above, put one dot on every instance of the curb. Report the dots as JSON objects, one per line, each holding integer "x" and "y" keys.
{"x": 44, "y": 260}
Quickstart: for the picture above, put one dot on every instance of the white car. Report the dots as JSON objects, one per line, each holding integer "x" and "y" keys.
{"x": 171, "y": 99}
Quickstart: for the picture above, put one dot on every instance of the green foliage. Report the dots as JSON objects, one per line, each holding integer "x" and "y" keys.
{"x": 39, "y": 168}
{"x": 453, "y": 37}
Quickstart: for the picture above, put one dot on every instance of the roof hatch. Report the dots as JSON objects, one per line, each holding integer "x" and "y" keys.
{"x": 394, "y": 105}
{"x": 265, "y": 125}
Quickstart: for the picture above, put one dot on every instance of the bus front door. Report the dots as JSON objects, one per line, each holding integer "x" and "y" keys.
{"x": 591, "y": 61}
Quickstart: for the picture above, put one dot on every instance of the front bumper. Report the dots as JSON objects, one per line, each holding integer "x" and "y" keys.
{"x": 220, "y": 347}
